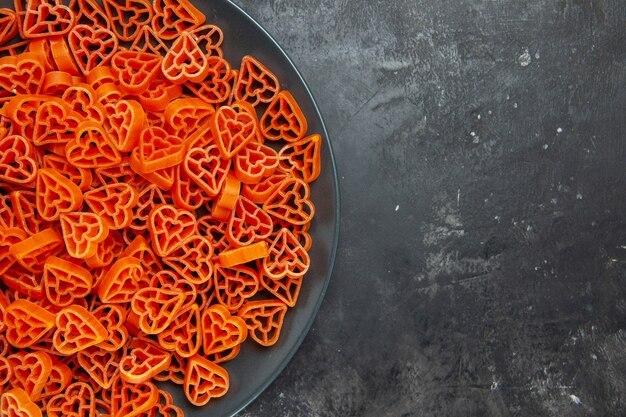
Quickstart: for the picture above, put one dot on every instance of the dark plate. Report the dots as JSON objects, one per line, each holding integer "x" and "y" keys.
{"x": 255, "y": 367}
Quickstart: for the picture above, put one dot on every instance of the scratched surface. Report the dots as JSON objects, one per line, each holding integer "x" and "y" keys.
{"x": 482, "y": 161}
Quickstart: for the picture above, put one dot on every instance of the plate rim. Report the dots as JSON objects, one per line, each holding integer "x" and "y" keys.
{"x": 336, "y": 229}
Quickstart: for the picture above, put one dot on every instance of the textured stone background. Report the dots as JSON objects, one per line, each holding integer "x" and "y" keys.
{"x": 482, "y": 160}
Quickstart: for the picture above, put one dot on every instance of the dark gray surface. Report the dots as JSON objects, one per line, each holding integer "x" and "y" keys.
{"x": 481, "y": 268}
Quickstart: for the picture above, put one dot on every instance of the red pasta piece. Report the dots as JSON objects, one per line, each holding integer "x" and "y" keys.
{"x": 283, "y": 119}
{"x": 126, "y": 119}
{"x": 217, "y": 87}
{"x": 6, "y": 374}
{"x": 285, "y": 289}
{"x": 101, "y": 365}
{"x": 92, "y": 46}
{"x": 78, "y": 400}
{"x": 92, "y": 148}
{"x": 290, "y": 202}
{"x": 207, "y": 169}
{"x": 25, "y": 283}
{"x": 84, "y": 102}
{"x": 186, "y": 193}
{"x": 30, "y": 372}
{"x": 107, "y": 251}
{"x": 183, "y": 335}
{"x": 215, "y": 229}
{"x": 80, "y": 176}
{"x": 169, "y": 227}
{"x": 171, "y": 281}
{"x": 192, "y": 259}
{"x": 130, "y": 400}
{"x": 89, "y": 12}
{"x": 264, "y": 319}
{"x": 128, "y": 16}
{"x": 113, "y": 317}
{"x": 204, "y": 380}
{"x": 185, "y": 61}
{"x": 114, "y": 203}
{"x": 135, "y": 70}
{"x": 255, "y": 162}
{"x": 302, "y": 159}
{"x": 248, "y": 223}
{"x": 256, "y": 83}
{"x": 156, "y": 307}
{"x": 143, "y": 360}
{"x": 55, "y": 124}
{"x": 16, "y": 403}
{"x": 148, "y": 41}
{"x": 25, "y": 212}
{"x": 171, "y": 18}
{"x": 8, "y": 25}
{"x": 233, "y": 128}
{"x": 32, "y": 252}
{"x": 65, "y": 281}
{"x": 234, "y": 285}
{"x": 17, "y": 161}
{"x": 121, "y": 281}
{"x": 62, "y": 55}
{"x": 221, "y": 330}
{"x": 287, "y": 258}
{"x": 77, "y": 329}
{"x": 149, "y": 197}
{"x": 185, "y": 115}
{"x": 58, "y": 380}
{"x": 157, "y": 150}
{"x": 82, "y": 232}
{"x": 158, "y": 95}
{"x": 45, "y": 18}
{"x": 9, "y": 237}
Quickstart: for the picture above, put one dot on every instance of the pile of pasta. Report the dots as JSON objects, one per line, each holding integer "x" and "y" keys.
{"x": 154, "y": 207}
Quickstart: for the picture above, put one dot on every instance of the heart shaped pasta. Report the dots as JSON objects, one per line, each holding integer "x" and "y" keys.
{"x": 204, "y": 380}
{"x": 221, "y": 330}
{"x": 92, "y": 148}
{"x": 264, "y": 319}
{"x": 290, "y": 202}
{"x": 92, "y": 46}
{"x": 8, "y": 25}
{"x": 16, "y": 403}
{"x": 156, "y": 307}
{"x": 132, "y": 400}
{"x": 30, "y": 371}
{"x": 114, "y": 204}
{"x": 256, "y": 83}
{"x": 206, "y": 168}
{"x": 142, "y": 361}
{"x": 121, "y": 281}
{"x": 102, "y": 365}
{"x": 233, "y": 129}
{"x": 82, "y": 232}
{"x": 65, "y": 281}
{"x": 78, "y": 400}
{"x": 174, "y": 17}
{"x": 17, "y": 161}
{"x": 47, "y": 18}
{"x": 169, "y": 227}
{"x": 128, "y": 16}
{"x": 283, "y": 119}
{"x": 148, "y": 226}
{"x": 77, "y": 329}
{"x": 185, "y": 61}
